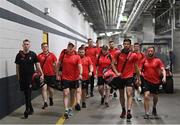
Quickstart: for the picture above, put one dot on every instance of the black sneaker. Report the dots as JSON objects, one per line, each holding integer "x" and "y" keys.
{"x": 77, "y": 107}
{"x": 31, "y": 111}
{"x": 26, "y": 113}
{"x": 66, "y": 116}
{"x": 129, "y": 116}
{"x": 123, "y": 114}
{"x": 102, "y": 100}
{"x": 106, "y": 104}
{"x": 154, "y": 111}
{"x": 51, "y": 102}
{"x": 45, "y": 105}
{"x": 83, "y": 105}
{"x": 146, "y": 116}
{"x": 115, "y": 95}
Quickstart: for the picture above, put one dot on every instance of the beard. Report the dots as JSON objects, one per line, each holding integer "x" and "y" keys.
{"x": 150, "y": 55}
{"x": 125, "y": 50}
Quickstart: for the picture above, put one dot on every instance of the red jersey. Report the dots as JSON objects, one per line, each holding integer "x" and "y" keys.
{"x": 113, "y": 51}
{"x": 92, "y": 52}
{"x": 86, "y": 62}
{"x": 140, "y": 57}
{"x": 151, "y": 69}
{"x": 47, "y": 65}
{"x": 103, "y": 62}
{"x": 98, "y": 50}
{"x": 70, "y": 70}
{"x": 129, "y": 67}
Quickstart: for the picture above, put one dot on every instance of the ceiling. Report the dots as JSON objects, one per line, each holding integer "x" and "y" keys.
{"x": 103, "y": 15}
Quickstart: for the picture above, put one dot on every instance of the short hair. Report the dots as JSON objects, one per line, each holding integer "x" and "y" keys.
{"x": 81, "y": 48}
{"x": 70, "y": 44}
{"x": 111, "y": 41}
{"x": 89, "y": 39}
{"x": 104, "y": 47}
{"x": 26, "y": 40}
{"x": 97, "y": 40}
{"x": 44, "y": 44}
{"x": 151, "y": 47}
{"x": 136, "y": 43}
{"x": 127, "y": 40}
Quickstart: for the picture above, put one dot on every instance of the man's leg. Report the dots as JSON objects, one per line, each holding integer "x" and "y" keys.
{"x": 129, "y": 91}
{"x": 122, "y": 102}
{"x": 146, "y": 103}
{"x": 51, "y": 91}
{"x": 44, "y": 96}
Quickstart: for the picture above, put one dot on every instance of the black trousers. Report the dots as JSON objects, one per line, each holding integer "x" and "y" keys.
{"x": 27, "y": 94}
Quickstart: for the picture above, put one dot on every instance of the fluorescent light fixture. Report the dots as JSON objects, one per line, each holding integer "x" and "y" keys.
{"x": 90, "y": 23}
{"x": 108, "y": 33}
{"x": 102, "y": 34}
{"x": 122, "y": 10}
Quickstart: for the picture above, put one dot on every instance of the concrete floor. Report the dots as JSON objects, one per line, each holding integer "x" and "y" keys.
{"x": 168, "y": 109}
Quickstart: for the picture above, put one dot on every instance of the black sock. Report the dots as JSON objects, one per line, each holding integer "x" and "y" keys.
{"x": 123, "y": 109}
{"x": 129, "y": 111}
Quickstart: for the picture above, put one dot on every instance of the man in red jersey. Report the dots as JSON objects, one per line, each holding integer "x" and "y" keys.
{"x": 91, "y": 51}
{"x": 140, "y": 57}
{"x": 112, "y": 51}
{"x": 104, "y": 60}
{"x": 70, "y": 72}
{"x": 152, "y": 68}
{"x": 86, "y": 74}
{"x": 126, "y": 62}
{"x": 98, "y": 46}
{"x": 48, "y": 64}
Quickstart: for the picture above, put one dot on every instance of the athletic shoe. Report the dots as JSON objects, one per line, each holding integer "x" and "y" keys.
{"x": 77, "y": 107}
{"x": 129, "y": 116}
{"x": 70, "y": 112}
{"x": 123, "y": 114}
{"x": 66, "y": 116}
{"x": 25, "y": 114}
{"x": 106, "y": 104}
{"x": 139, "y": 99}
{"x": 45, "y": 105}
{"x": 115, "y": 95}
{"x": 146, "y": 116}
{"x": 154, "y": 111}
{"x": 51, "y": 102}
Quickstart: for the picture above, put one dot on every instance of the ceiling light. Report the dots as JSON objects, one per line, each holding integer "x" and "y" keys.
{"x": 90, "y": 23}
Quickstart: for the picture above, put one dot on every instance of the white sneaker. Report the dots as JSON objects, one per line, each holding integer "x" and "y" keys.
{"x": 139, "y": 99}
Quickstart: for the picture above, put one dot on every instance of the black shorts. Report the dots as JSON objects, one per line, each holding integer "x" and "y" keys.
{"x": 128, "y": 82}
{"x": 84, "y": 84}
{"x": 134, "y": 81}
{"x": 49, "y": 80}
{"x": 148, "y": 86}
{"x": 70, "y": 84}
{"x": 101, "y": 81}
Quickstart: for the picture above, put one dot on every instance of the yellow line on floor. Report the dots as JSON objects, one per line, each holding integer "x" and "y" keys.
{"x": 61, "y": 121}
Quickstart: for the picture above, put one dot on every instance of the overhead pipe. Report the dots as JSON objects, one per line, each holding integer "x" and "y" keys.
{"x": 136, "y": 13}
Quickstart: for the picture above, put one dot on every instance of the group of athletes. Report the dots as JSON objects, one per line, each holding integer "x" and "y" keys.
{"x": 77, "y": 71}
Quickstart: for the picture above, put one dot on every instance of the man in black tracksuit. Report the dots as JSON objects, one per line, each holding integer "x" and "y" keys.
{"x": 25, "y": 61}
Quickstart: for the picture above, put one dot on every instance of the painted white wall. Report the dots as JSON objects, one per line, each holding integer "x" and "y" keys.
{"x": 12, "y": 34}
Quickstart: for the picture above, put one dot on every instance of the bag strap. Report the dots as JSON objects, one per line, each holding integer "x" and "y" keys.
{"x": 124, "y": 64}
{"x": 45, "y": 60}
{"x": 109, "y": 56}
